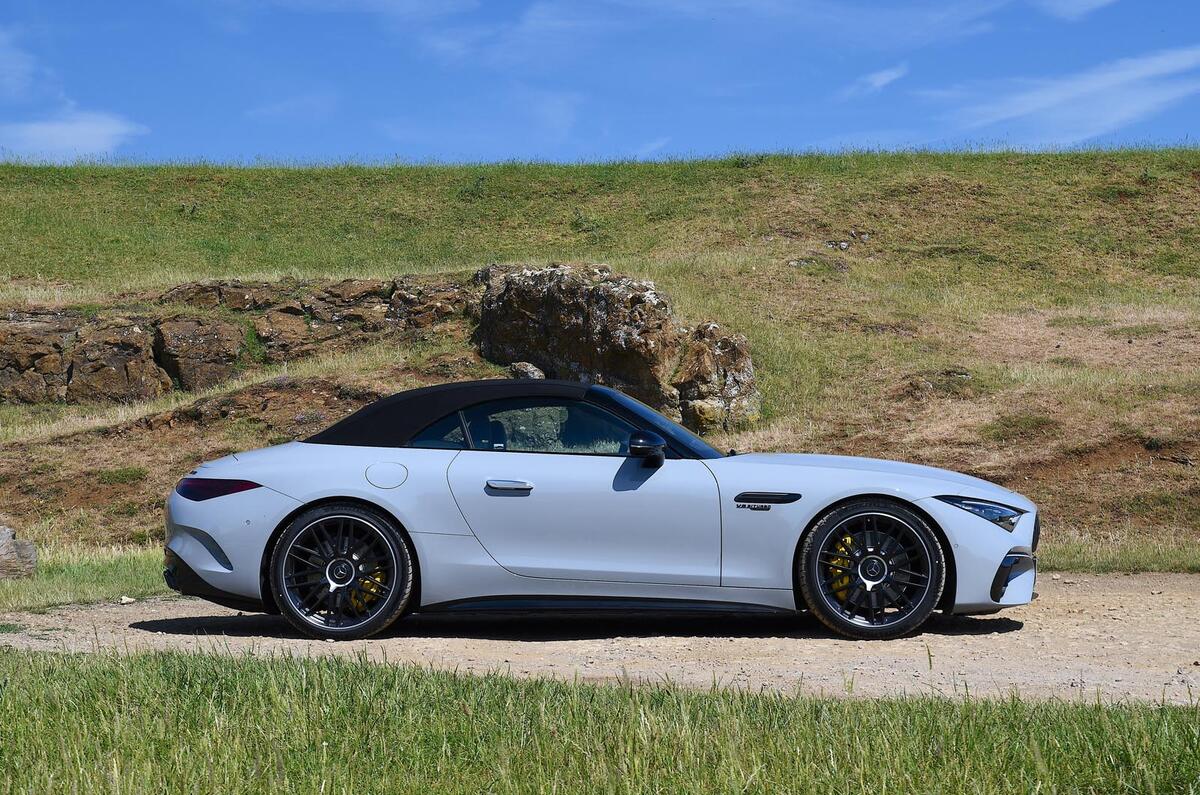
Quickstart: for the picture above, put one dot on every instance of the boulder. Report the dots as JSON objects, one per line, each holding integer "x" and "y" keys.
{"x": 199, "y": 352}
{"x": 582, "y": 323}
{"x": 587, "y": 323}
{"x": 18, "y": 557}
{"x": 525, "y": 370}
{"x": 113, "y": 360}
{"x": 715, "y": 379}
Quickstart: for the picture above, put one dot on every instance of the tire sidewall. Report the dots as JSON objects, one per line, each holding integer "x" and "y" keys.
{"x": 394, "y": 604}
{"x": 809, "y": 575}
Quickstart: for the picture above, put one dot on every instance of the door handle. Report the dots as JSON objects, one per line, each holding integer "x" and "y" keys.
{"x": 510, "y": 485}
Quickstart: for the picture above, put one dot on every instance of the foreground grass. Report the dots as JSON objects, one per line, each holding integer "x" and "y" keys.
{"x": 173, "y": 722}
{"x": 78, "y": 574}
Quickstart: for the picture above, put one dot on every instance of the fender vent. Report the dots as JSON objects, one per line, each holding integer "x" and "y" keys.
{"x": 767, "y": 497}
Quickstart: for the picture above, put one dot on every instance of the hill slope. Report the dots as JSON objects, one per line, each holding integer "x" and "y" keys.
{"x": 1029, "y": 318}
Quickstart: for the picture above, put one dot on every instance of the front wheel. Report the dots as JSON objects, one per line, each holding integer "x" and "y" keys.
{"x": 341, "y": 572}
{"x": 872, "y": 570}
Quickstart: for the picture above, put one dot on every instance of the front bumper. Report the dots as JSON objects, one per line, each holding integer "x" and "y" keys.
{"x": 995, "y": 568}
{"x": 215, "y": 547}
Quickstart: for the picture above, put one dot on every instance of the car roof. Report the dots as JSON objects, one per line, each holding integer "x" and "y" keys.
{"x": 393, "y": 421}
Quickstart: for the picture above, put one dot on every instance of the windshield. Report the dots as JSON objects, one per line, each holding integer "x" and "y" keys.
{"x": 675, "y": 433}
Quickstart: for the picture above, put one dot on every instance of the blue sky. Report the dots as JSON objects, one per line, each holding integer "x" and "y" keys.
{"x": 380, "y": 80}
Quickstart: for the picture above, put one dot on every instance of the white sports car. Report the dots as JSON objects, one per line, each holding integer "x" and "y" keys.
{"x": 527, "y": 495}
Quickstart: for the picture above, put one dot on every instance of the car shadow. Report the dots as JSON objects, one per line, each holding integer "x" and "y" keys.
{"x": 558, "y": 626}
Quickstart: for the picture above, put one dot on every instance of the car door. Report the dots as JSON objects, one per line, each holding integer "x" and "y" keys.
{"x": 548, "y": 488}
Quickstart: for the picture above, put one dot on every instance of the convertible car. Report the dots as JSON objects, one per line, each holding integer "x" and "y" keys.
{"x": 530, "y": 495}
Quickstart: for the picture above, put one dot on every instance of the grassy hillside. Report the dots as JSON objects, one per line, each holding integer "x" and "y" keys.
{"x": 1030, "y": 318}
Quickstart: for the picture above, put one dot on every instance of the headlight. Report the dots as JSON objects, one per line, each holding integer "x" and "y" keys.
{"x": 994, "y": 512}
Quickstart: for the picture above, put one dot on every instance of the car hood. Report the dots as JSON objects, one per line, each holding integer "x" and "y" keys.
{"x": 878, "y": 465}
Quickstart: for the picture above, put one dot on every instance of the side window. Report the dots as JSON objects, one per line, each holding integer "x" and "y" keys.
{"x": 445, "y": 434}
{"x": 546, "y": 425}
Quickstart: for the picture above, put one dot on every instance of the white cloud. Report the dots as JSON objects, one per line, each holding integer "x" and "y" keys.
{"x": 872, "y": 25}
{"x": 16, "y": 67}
{"x": 1067, "y": 110}
{"x": 875, "y": 81}
{"x": 1071, "y": 9}
{"x": 411, "y": 9}
{"x": 69, "y": 135}
{"x": 545, "y": 29}
{"x": 651, "y": 147}
{"x": 312, "y": 106}
{"x": 554, "y": 112}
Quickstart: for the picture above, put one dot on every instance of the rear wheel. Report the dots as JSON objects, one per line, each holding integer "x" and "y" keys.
{"x": 872, "y": 569}
{"x": 341, "y": 571}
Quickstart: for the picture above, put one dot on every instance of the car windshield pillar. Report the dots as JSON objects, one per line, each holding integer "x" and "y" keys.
{"x": 679, "y": 437}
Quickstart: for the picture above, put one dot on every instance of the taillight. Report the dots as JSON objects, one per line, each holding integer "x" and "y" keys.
{"x": 206, "y": 488}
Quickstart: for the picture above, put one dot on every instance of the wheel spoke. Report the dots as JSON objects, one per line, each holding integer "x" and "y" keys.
{"x": 894, "y": 553}
{"x": 319, "y": 552}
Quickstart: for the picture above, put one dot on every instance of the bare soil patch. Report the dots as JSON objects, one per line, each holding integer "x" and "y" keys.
{"x": 1116, "y": 637}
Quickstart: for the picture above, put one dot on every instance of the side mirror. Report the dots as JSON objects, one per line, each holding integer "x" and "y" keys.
{"x": 648, "y": 446}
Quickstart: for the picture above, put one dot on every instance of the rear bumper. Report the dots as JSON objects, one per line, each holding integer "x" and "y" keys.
{"x": 180, "y": 577}
{"x": 215, "y": 547}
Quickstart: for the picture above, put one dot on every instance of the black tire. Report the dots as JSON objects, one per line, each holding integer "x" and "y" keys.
{"x": 342, "y": 571}
{"x": 871, "y": 569}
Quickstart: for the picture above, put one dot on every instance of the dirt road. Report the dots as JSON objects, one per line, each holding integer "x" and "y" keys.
{"x": 1119, "y": 636}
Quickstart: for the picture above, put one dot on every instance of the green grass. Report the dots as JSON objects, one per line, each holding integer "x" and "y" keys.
{"x": 125, "y": 227}
{"x": 78, "y": 574}
{"x": 1008, "y": 427}
{"x": 180, "y": 723}
{"x": 1102, "y": 556}
{"x": 121, "y": 475}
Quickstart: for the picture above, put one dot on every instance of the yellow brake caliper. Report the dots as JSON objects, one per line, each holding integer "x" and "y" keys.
{"x": 841, "y": 585}
{"x": 370, "y": 590}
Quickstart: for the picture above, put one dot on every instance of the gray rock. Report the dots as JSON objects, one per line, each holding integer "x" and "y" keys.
{"x": 18, "y": 557}
{"x": 525, "y": 370}
{"x": 588, "y": 324}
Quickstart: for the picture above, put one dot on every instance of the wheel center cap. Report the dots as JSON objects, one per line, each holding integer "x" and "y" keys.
{"x": 339, "y": 572}
{"x": 872, "y": 569}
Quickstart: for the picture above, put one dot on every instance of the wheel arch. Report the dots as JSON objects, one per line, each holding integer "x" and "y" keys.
{"x": 946, "y": 603}
{"x": 264, "y": 574}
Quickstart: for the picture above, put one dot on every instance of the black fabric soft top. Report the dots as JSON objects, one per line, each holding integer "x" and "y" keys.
{"x": 392, "y": 421}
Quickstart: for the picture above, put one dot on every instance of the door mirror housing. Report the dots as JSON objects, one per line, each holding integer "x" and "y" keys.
{"x": 648, "y": 446}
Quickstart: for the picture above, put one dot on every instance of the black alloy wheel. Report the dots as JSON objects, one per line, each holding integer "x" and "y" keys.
{"x": 341, "y": 571}
{"x": 872, "y": 569}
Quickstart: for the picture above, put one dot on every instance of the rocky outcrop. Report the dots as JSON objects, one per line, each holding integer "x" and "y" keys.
{"x": 295, "y": 319}
{"x": 49, "y": 355}
{"x": 113, "y": 360}
{"x": 589, "y": 324}
{"x": 199, "y": 352}
{"x": 559, "y": 321}
{"x": 35, "y": 355}
{"x": 55, "y": 356}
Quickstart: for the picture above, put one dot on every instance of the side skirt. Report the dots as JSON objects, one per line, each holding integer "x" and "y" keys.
{"x": 578, "y": 604}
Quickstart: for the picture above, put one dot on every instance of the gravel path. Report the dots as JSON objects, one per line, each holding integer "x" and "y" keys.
{"x": 1120, "y": 636}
